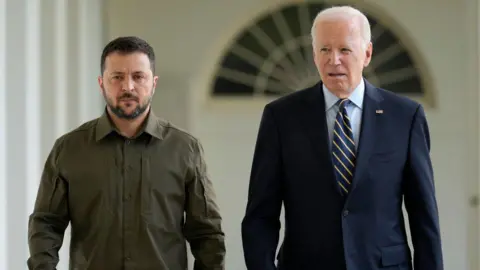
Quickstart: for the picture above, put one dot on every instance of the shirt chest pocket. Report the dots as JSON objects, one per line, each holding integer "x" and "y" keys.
{"x": 162, "y": 192}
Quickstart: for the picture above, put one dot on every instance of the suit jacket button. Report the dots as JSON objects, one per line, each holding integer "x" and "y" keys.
{"x": 345, "y": 213}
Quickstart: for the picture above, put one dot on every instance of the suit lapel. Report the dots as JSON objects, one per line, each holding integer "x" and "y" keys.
{"x": 313, "y": 118}
{"x": 314, "y": 121}
{"x": 368, "y": 133}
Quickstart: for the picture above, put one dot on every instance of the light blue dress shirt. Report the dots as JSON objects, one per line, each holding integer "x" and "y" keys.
{"x": 354, "y": 110}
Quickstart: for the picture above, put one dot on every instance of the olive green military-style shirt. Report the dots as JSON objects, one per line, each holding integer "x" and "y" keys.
{"x": 132, "y": 203}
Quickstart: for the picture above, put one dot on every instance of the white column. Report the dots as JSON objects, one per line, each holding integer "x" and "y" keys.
{"x": 32, "y": 106}
{"x": 83, "y": 58}
{"x": 49, "y": 77}
{"x": 21, "y": 161}
{"x": 91, "y": 37}
{"x": 49, "y": 58}
{"x": 62, "y": 90}
{"x": 3, "y": 142}
{"x": 73, "y": 55}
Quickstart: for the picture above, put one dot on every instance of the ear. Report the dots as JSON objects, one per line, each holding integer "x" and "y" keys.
{"x": 368, "y": 54}
{"x": 314, "y": 53}
{"x": 155, "y": 79}
{"x": 100, "y": 82}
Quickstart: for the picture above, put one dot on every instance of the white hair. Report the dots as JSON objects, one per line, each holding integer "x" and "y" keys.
{"x": 344, "y": 13}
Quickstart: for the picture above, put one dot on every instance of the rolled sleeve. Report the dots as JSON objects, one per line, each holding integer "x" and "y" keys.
{"x": 50, "y": 216}
{"x": 203, "y": 228}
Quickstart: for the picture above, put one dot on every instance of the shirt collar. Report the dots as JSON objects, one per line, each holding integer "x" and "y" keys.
{"x": 153, "y": 126}
{"x": 356, "y": 97}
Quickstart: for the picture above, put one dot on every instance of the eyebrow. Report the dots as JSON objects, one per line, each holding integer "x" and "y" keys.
{"x": 122, "y": 73}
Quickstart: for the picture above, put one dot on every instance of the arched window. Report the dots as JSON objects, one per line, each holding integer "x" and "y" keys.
{"x": 273, "y": 56}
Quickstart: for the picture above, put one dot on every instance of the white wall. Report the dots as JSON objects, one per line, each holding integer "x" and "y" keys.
{"x": 49, "y": 62}
{"x": 189, "y": 43}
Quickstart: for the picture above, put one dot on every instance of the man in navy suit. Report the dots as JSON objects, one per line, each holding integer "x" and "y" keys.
{"x": 342, "y": 156}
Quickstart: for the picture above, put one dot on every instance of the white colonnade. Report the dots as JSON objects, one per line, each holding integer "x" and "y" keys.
{"x": 49, "y": 60}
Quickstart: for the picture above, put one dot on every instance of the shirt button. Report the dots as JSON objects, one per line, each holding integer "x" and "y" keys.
{"x": 128, "y": 197}
{"x": 127, "y": 141}
{"x": 345, "y": 213}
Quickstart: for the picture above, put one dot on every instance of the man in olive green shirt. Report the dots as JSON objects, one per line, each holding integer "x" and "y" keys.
{"x": 133, "y": 186}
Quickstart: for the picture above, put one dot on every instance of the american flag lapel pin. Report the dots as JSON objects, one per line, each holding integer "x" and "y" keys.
{"x": 379, "y": 111}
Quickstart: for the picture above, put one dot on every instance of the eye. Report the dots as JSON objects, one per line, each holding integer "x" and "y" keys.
{"x": 138, "y": 77}
{"x": 325, "y": 50}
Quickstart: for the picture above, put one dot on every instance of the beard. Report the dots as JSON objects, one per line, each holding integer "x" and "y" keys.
{"x": 121, "y": 113}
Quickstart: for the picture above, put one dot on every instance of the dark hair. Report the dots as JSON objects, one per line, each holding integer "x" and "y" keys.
{"x": 127, "y": 45}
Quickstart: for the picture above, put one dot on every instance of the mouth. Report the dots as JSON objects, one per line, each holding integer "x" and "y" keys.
{"x": 336, "y": 75}
{"x": 128, "y": 100}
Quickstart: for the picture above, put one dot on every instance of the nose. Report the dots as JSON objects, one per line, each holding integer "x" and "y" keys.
{"x": 335, "y": 58}
{"x": 128, "y": 84}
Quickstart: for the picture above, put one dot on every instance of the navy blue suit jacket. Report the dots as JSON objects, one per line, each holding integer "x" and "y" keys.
{"x": 324, "y": 230}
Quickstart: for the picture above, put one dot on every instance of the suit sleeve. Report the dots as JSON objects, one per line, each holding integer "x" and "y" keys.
{"x": 50, "y": 217}
{"x": 261, "y": 224}
{"x": 203, "y": 223}
{"x": 420, "y": 200}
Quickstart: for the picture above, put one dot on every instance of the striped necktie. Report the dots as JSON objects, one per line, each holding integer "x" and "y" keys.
{"x": 343, "y": 148}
